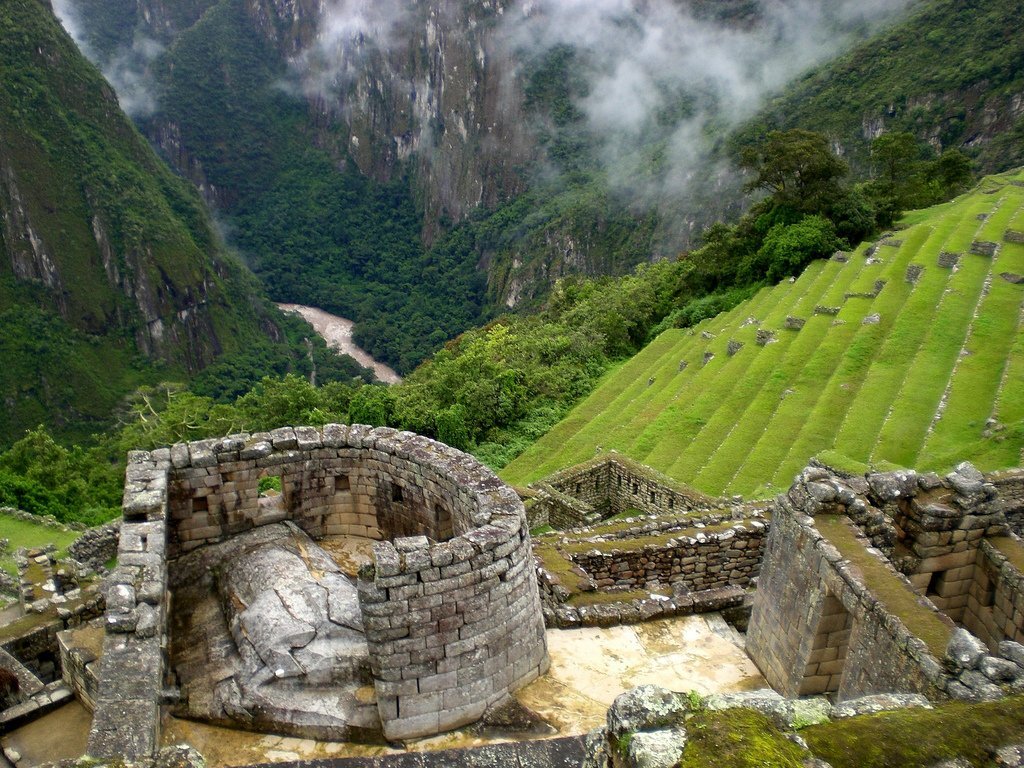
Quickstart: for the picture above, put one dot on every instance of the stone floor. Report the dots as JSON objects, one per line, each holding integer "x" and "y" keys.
{"x": 589, "y": 668}
{"x": 60, "y": 735}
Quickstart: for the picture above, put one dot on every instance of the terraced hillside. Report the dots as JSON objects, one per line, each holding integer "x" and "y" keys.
{"x": 908, "y": 351}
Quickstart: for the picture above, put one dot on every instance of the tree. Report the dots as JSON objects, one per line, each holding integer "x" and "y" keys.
{"x": 895, "y": 157}
{"x": 372, "y": 404}
{"x": 797, "y": 168}
{"x": 788, "y": 249}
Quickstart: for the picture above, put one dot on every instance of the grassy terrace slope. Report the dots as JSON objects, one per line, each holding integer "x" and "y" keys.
{"x": 900, "y": 360}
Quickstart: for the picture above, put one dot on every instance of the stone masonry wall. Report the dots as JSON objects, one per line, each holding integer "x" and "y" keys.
{"x": 802, "y": 578}
{"x": 557, "y": 509}
{"x": 1010, "y": 484}
{"x": 995, "y": 604}
{"x": 816, "y": 627}
{"x": 97, "y": 546}
{"x": 131, "y": 670}
{"x": 453, "y": 621}
{"x": 691, "y": 563}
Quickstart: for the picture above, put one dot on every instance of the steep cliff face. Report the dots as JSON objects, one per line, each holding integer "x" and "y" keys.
{"x": 430, "y": 86}
{"x": 97, "y": 235}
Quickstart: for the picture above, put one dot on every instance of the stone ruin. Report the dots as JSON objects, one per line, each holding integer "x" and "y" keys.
{"x": 229, "y": 606}
{"x": 388, "y": 589}
{"x": 892, "y": 582}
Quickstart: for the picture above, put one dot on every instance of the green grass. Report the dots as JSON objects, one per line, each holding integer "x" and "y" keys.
{"x": 747, "y": 423}
{"x": 974, "y": 392}
{"x": 24, "y": 534}
{"x": 859, "y": 434}
{"x": 902, "y": 436}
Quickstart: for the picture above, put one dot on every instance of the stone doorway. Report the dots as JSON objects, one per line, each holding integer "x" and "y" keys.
{"x": 824, "y": 671}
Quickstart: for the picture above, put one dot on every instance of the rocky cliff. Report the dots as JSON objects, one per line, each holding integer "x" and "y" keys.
{"x": 433, "y": 86}
{"x": 96, "y": 234}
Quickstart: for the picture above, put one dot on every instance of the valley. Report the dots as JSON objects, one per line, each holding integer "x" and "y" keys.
{"x": 521, "y": 382}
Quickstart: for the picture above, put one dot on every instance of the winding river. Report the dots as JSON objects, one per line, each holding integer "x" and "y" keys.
{"x": 337, "y": 332}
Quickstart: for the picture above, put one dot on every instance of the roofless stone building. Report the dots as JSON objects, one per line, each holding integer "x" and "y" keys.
{"x": 225, "y": 605}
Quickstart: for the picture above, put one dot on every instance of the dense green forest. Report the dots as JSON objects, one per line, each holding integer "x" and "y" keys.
{"x": 319, "y": 232}
{"x": 111, "y": 274}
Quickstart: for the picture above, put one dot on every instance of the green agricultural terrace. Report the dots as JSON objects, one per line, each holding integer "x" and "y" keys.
{"x": 906, "y": 352}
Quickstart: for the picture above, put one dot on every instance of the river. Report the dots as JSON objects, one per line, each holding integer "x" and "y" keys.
{"x": 337, "y": 332}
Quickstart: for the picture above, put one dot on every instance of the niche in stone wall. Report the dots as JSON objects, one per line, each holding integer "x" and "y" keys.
{"x": 445, "y": 529}
{"x": 823, "y": 673}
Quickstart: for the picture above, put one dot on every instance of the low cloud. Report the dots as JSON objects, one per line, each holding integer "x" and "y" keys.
{"x": 658, "y": 74}
{"x": 127, "y": 69}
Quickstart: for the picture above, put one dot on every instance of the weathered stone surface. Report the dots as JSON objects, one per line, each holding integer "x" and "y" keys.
{"x": 964, "y": 650}
{"x": 879, "y": 702}
{"x": 658, "y": 749}
{"x": 287, "y": 601}
{"x": 1000, "y": 670}
{"x": 1011, "y": 756}
{"x": 179, "y": 756}
{"x": 1013, "y": 651}
{"x": 645, "y": 707}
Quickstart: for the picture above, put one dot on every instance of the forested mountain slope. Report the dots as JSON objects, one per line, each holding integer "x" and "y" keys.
{"x": 952, "y": 73}
{"x": 110, "y": 269}
{"x": 422, "y": 167}
{"x": 907, "y": 351}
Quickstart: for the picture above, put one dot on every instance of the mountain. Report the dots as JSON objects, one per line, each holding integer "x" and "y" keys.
{"x": 952, "y": 73}
{"x": 907, "y": 351}
{"x": 423, "y": 167}
{"x": 111, "y": 273}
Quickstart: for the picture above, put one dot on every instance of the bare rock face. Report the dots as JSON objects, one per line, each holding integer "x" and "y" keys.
{"x": 292, "y": 614}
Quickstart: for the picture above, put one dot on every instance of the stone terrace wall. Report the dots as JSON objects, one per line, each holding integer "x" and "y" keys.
{"x": 692, "y": 563}
{"x": 453, "y": 622}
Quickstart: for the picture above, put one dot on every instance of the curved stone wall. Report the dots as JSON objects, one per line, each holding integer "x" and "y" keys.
{"x": 451, "y": 606}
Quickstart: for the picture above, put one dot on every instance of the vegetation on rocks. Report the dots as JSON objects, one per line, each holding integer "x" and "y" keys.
{"x": 920, "y": 737}
{"x": 737, "y": 738}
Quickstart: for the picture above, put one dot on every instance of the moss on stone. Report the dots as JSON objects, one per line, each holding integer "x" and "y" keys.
{"x": 891, "y": 591}
{"x": 737, "y": 738}
{"x": 914, "y": 737}
{"x": 1011, "y": 548}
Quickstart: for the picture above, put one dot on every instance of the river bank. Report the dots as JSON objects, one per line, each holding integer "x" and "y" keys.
{"x": 337, "y": 332}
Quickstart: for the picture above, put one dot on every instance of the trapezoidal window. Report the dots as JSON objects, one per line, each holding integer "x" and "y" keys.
{"x": 396, "y": 492}
{"x": 271, "y": 493}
